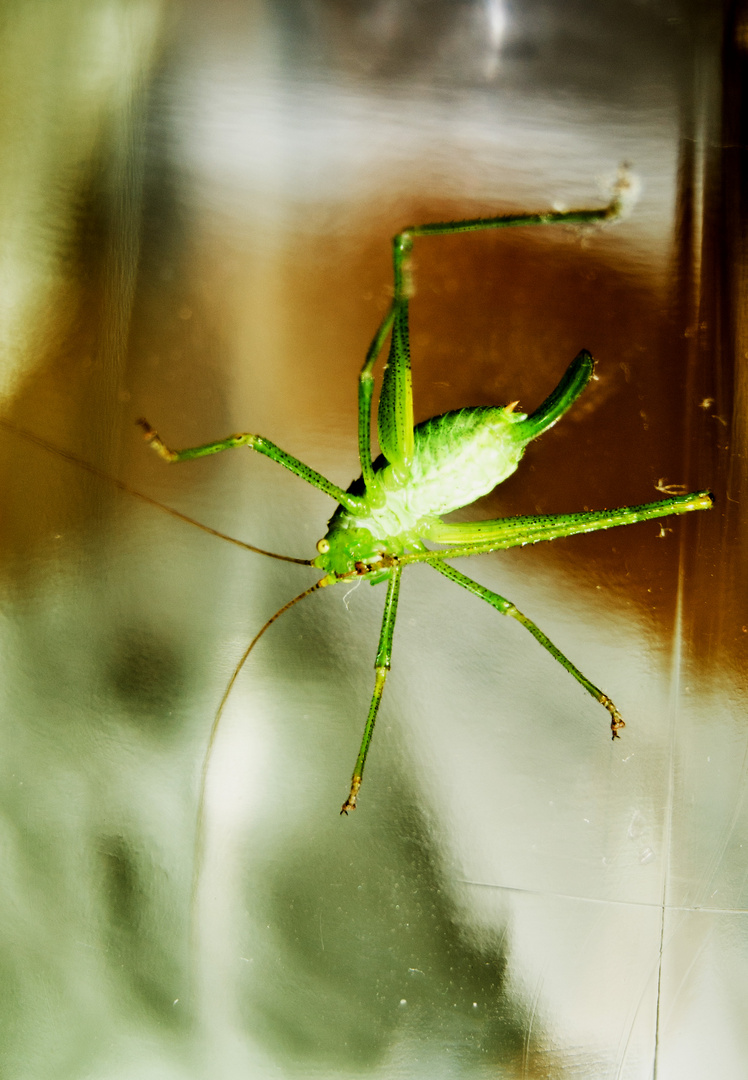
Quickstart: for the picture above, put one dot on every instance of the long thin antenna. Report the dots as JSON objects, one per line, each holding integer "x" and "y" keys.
{"x": 235, "y": 675}
{"x": 83, "y": 464}
{"x": 200, "y": 828}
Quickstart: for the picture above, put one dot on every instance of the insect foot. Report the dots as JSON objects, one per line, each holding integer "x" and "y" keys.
{"x": 350, "y": 802}
{"x": 153, "y": 439}
{"x": 626, "y": 192}
{"x": 616, "y": 722}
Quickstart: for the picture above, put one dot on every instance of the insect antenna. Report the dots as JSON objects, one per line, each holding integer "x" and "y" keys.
{"x": 235, "y": 674}
{"x": 238, "y": 669}
{"x": 122, "y": 486}
{"x": 200, "y": 831}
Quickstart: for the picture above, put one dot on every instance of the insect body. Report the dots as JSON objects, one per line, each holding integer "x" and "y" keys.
{"x": 386, "y": 518}
{"x": 456, "y": 458}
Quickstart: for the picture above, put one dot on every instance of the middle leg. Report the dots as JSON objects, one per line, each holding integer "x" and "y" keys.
{"x": 506, "y": 607}
{"x": 382, "y": 666}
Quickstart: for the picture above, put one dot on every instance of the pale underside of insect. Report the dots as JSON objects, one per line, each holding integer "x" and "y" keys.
{"x": 393, "y": 513}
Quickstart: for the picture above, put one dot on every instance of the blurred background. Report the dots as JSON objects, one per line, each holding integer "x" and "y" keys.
{"x": 197, "y": 203}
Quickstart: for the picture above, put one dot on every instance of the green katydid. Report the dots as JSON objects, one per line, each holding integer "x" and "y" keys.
{"x": 386, "y": 518}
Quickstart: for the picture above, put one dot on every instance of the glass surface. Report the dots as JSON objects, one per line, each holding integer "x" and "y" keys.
{"x": 198, "y": 201}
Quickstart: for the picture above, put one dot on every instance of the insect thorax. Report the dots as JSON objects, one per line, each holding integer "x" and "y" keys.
{"x": 457, "y": 457}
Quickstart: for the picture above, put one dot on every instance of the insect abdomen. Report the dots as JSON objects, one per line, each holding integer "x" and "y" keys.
{"x": 457, "y": 458}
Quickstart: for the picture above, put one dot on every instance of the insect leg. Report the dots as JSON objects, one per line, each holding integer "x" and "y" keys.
{"x": 262, "y": 446}
{"x": 506, "y": 607}
{"x": 365, "y": 394}
{"x": 395, "y": 414}
{"x": 624, "y": 194}
{"x": 395, "y": 418}
{"x": 382, "y": 666}
{"x": 475, "y": 538}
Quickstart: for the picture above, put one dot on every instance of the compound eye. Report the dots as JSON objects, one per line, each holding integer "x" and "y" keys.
{"x": 323, "y": 546}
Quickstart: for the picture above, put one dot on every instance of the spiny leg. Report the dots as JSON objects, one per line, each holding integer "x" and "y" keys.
{"x": 402, "y": 243}
{"x": 474, "y": 538}
{"x": 81, "y": 463}
{"x": 506, "y": 607}
{"x": 382, "y": 666}
{"x": 262, "y": 446}
{"x": 395, "y": 404}
{"x": 395, "y": 412}
{"x": 365, "y": 394}
{"x": 480, "y": 537}
{"x": 625, "y": 193}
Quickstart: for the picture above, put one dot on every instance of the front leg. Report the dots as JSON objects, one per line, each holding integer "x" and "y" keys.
{"x": 262, "y": 446}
